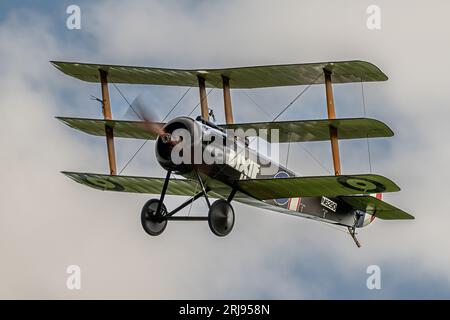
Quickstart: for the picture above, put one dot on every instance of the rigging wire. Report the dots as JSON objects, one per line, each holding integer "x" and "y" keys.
{"x": 145, "y": 142}
{"x": 176, "y": 104}
{"x": 173, "y": 108}
{"x": 279, "y": 114}
{"x": 284, "y": 110}
{"x": 126, "y": 100}
{"x": 289, "y": 147}
{"x": 192, "y": 111}
{"x": 364, "y": 110}
{"x": 195, "y": 191}
{"x": 255, "y": 103}
{"x": 301, "y": 146}
{"x": 292, "y": 102}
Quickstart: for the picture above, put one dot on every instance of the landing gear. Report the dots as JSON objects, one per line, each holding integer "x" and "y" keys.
{"x": 152, "y": 222}
{"x": 154, "y": 214}
{"x": 221, "y": 218}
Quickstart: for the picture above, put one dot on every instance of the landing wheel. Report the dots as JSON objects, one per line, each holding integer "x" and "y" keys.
{"x": 221, "y": 218}
{"x": 151, "y": 223}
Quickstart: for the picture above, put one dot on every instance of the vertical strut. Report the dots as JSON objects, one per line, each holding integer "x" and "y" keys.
{"x": 106, "y": 108}
{"x": 333, "y": 130}
{"x": 203, "y": 98}
{"x": 227, "y": 100}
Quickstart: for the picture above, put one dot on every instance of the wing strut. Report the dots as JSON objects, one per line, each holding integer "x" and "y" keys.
{"x": 106, "y": 108}
{"x": 203, "y": 98}
{"x": 334, "y": 138}
{"x": 227, "y": 100}
{"x": 333, "y": 130}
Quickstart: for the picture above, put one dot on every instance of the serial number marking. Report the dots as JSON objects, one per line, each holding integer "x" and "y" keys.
{"x": 329, "y": 204}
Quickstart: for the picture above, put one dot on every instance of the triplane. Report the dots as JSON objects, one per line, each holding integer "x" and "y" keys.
{"x": 352, "y": 201}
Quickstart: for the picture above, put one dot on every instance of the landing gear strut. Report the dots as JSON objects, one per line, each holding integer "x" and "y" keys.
{"x": 154, "y": 214}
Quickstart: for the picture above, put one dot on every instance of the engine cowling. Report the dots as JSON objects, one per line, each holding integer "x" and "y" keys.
{"x": 180, "y": 135}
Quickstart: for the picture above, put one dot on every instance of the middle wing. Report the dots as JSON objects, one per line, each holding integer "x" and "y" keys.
{"x": 316, "y": 130}
{"x": 289, "y": 131}
{"x": 122, "y": 128}
{"x": 275, "y": 188}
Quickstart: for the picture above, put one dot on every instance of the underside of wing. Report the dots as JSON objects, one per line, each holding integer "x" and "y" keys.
{"x": 148, "y": 185}
{"x": 377, "y": 207}
{"x": 316, "y": 130}
{"x": 242, "y": 77}
{"x": 180, "y": 187}
{"x": 122, "y": 128}
{"x": 275, "y": 188}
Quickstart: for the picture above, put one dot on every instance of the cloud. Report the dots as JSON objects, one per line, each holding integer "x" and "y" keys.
{"x": 48, "y": 222}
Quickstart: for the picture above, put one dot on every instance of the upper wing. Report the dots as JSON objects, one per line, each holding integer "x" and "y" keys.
{"x": 244, "y": 77}
{"x": 317, "y": 130}
{"x": 377, "y": 207}
{"x": 275, "y": 188}
{"x": 122, "y": 128}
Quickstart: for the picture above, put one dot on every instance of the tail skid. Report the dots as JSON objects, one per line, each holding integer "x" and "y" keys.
{"x": 352, "y": 231}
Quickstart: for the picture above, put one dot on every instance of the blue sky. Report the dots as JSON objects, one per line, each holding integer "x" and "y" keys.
{"x": 267, "y": 255}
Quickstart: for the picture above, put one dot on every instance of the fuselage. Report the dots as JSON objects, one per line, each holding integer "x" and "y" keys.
{"x": 223, "y": 156}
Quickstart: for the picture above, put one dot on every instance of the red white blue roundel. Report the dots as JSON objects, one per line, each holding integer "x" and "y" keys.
{"x": 281, "y": 201}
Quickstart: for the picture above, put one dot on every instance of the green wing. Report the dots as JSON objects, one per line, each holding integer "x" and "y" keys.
{"x": 275, "y": 188}
{"x": 244, "y": 77}
{"x": 289, "y": 131}
{"x": 318, "y": 130}
{"x": 149, "y": 185}
{"x": 180, "y": 187}
{"x": 377, "y": 207}
{"x": 122, "y": 128}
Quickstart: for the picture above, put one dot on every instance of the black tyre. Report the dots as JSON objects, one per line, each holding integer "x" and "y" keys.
{"x": 151, "y": 223}
{"x": 221, "y": 218}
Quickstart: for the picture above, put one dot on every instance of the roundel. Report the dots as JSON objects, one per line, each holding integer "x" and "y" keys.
{"x": 281, "y": 201}
{"x": 103, "y": 184}
{"x": 361, "y": 184}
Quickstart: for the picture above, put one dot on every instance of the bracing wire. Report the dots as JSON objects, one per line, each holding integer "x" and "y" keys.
{"x": 293, "y": 101}
{"x": 196, "y": 106}
{"x": 176, "y": 104}
{"x": 301, "y": 146}
{"x": 289, "y": 147}
{"x": 364, "y": 110}
{"x": 145, "y": 142}
{"x": 284, "y": 110}
{"x": 165, "y": 117}
{"x": 126, "y": 100}
{"x": 195, "y": 191}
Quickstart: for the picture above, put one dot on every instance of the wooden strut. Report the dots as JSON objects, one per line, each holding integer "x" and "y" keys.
{"x": 333, "y": 130}
{"x": 227, "y": 100}
{"x": 107, "y": 115}
{"x": 203, "y": 98}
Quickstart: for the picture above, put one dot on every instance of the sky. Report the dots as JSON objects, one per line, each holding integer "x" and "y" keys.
{"x": 48, "y": 222}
